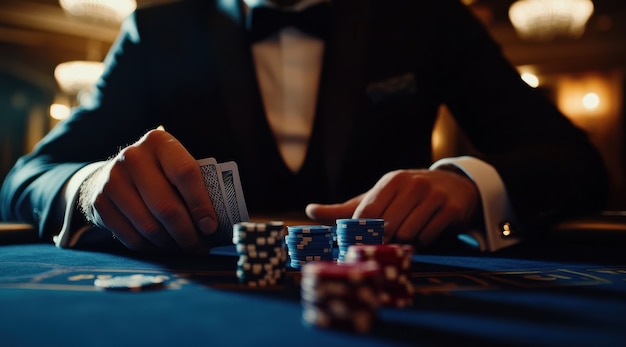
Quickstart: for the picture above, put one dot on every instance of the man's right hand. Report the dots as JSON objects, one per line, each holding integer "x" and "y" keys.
{"x": 152, "y": 197}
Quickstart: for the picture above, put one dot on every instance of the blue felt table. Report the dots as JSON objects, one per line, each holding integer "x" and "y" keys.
{"x": 572, "y": 297}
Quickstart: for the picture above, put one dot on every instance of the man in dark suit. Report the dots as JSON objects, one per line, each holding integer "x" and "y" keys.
{"x": 346, "y": 116}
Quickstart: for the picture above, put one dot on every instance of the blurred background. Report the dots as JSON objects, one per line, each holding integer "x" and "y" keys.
{"x": 573, "y": 51}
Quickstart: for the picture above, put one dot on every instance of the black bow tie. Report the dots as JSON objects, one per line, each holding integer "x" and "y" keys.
{"x": 265, "y": 21}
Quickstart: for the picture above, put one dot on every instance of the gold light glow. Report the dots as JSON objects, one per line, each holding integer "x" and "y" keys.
{"x": 59, "y": 111}
{"x": 546, "y": 19}
{"x": 591, "y": 101}
{"x": 104, "y": 10}
{"x": 530, "y": 79}
{"x": 79, "y": 75}
{"x": 587, "y": 95}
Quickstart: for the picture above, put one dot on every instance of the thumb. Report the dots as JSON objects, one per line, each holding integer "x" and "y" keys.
{"x": 328, "y": 213}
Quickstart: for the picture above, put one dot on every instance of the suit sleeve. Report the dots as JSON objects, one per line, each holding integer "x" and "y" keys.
{"x": 549, "y": 167}
{"x": 115, "y": 115}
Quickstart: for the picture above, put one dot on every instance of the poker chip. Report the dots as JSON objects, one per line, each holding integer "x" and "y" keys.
{"x": 368, "y": 231}
{"x": 134, "y": 282}
{"x": 306, "y": 243}
{"x": 340, "y": 296}
{"x": 394, "y": 261}
{"x": 262, "y": 256}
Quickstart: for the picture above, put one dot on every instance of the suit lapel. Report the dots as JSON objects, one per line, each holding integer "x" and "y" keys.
{"x": 343, "y": 81}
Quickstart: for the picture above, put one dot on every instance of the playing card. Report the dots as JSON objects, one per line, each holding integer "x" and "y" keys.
{"x": 215, "y": 187}
{"x": 233, "y": 192}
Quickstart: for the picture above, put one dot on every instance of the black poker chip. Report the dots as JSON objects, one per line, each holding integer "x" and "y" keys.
{"x": 262, "y": 255}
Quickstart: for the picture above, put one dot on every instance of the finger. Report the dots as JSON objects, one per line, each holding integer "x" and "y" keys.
{"x": 440, "y": 221}
{"x": 374, "y": 205}
{"x": 195, "y": 197}
{"x": 329, "y": 213}
{"x": 402, "y": 207}
{"x": 114, "y": 220}
{"x": 183, "y": 172}
{"x": 102, "y": 210}
{"x": 129, "y": 202}
{"x": 420, "y": 216}
{"x": 159, "y": 197}
{"x": 394, "y": 199}
{"x": 375, "y": 202}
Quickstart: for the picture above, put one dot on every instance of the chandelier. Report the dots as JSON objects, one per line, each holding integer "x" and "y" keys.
{"x": 77, "y": 76}
{"x": 103, "y": 10}
{"x": 543, "y": 20}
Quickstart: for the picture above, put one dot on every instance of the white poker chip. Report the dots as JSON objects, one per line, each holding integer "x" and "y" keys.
{"x": 132, "y": 282}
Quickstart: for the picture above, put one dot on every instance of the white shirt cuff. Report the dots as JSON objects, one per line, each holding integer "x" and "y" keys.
{"x": 67, "y": 238}
{"x": 501, "y": 227}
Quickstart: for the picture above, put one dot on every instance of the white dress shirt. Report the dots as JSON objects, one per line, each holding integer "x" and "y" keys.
{"x": 288, "y": 68}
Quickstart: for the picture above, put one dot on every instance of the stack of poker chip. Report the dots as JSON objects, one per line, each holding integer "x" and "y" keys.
{"x": 364, "y": 231}
{"x": 262, "y": 257}
{"x": 340, "y": 296}
{"x": 309, "y": 243}
{"x": 395, "y": 263}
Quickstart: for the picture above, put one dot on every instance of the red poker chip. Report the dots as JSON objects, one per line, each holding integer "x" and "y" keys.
{"x": 352, "y": 272}
{"x": 399, "y": 302}
{"x": 386, "y": 252}
{"x": 360, "y": 321}
{"x": 396, "y": 290}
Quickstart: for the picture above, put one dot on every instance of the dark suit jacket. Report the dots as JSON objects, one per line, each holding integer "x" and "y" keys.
{"x": 388, "y": 66}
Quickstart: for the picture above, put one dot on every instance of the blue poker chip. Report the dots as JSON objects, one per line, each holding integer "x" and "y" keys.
{"x": 357, "y": 232}
{"x": 309, "y": 229}
{"x": 360, "y": 222}
{"x": 359, "y": 236}
{"x": 361, "y": 229}
{"x": 134, "y": 282}
{"x": 310, "y": 247}
{"x": 313, "y": 243}
{"x": 305, "y": 237}
{"x": 321, "y": 249}
{"x": 346, "y": 243}
{"x": 310, "y": 252}
{"x": 306, "y": 244}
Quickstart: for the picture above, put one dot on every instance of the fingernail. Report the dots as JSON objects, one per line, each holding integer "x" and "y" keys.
{"x": 207, "y": 225}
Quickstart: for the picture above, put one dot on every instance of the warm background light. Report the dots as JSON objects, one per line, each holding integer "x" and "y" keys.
{"x": 75, "y": 76}
{"x": 104, "y": 10}
{"x": 546, "y": 19}
{"x": 530, "y": 79}
{"x": 59, "y": 111}
{"x": 584, "y": 95}
{"x": 591, "y": 101}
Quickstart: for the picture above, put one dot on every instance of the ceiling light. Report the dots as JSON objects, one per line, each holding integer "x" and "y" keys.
{"x": 105, "y": 10}
{"x": 76, "y": 76}
{"x": 546, "y": 19}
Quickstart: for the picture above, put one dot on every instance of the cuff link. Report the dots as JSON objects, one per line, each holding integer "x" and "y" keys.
{"x": 507, "y": 230}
